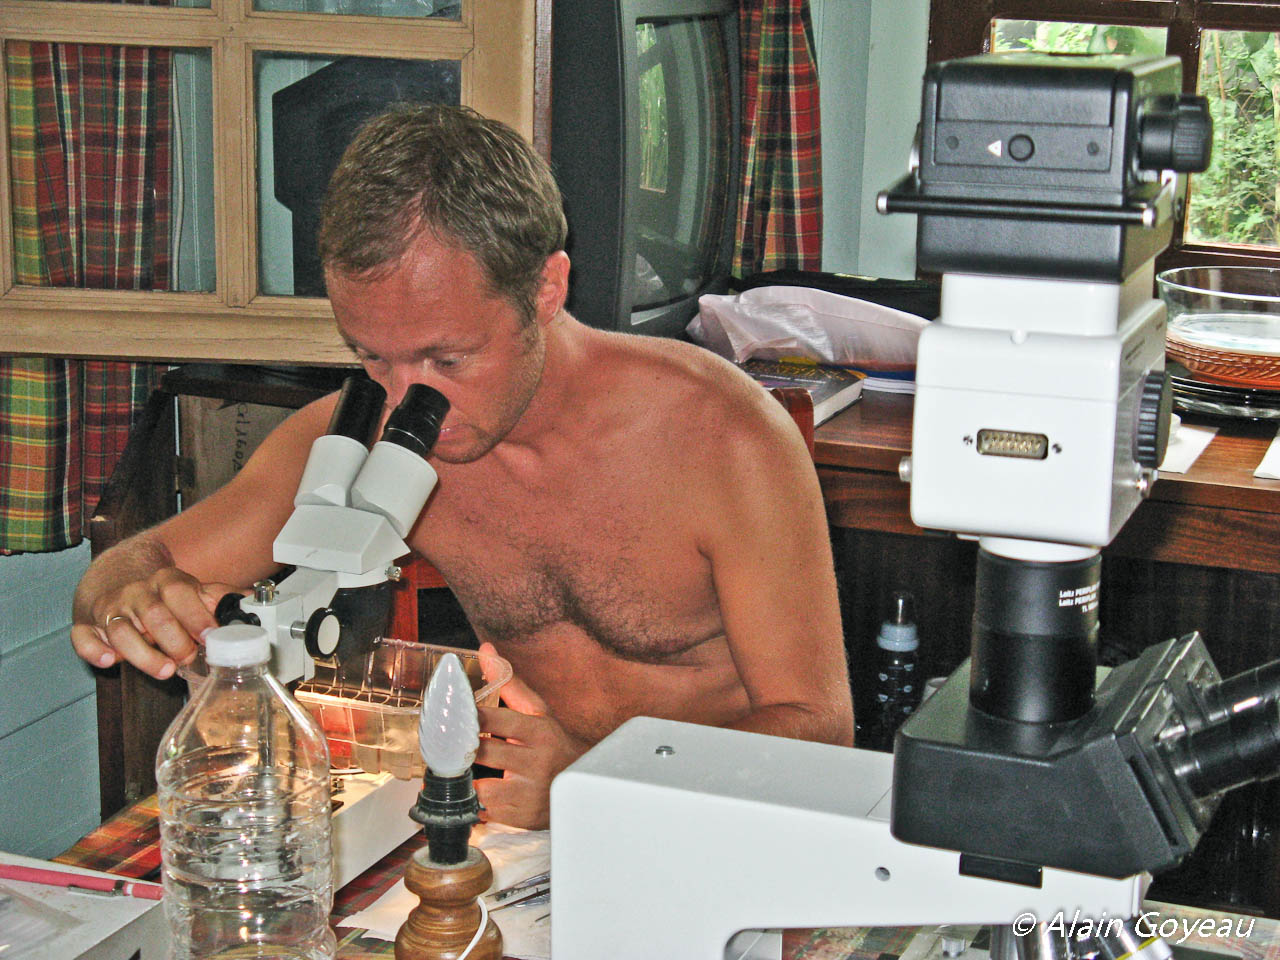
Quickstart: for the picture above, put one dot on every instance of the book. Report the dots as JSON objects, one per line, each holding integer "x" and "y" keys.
{"x": 831, "y": 388}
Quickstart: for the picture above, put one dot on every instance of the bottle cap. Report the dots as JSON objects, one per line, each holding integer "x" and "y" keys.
{"x": 902, "y": 609}
{"x": 898, "y": 633}
{"x": 237, "y": 645}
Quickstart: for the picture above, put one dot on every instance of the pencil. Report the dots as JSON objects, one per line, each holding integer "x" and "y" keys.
{"x": 63, "y": 878}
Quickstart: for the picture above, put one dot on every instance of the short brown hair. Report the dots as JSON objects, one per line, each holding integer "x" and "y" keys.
{"x": 471, "y": 180}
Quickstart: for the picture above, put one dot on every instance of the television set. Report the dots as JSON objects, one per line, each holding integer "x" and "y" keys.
{"x": 644, "y": 144}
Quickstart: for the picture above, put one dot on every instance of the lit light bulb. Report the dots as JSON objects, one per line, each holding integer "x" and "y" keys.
{"x": 449, "y": 727}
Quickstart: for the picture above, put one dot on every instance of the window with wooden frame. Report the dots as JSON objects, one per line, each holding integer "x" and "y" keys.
{"x": 1230, "y": 53}
{"x": 158, "y": 164}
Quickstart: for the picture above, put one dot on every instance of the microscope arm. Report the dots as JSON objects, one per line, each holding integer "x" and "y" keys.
{"x": 760, "y": 832}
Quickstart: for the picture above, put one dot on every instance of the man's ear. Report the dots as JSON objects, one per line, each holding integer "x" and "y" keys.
{"x": 555, "y": 286}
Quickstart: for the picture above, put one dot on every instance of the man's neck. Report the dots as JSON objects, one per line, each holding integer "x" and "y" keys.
{"x": 556, "y": 407}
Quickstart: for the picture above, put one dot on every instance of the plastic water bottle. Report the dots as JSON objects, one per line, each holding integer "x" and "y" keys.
{"x": 245, "y": 828}
{"x": 897, "y": 682}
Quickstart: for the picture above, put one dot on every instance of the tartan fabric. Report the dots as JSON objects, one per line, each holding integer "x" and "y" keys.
{"x": 127, "y": 843}
{"x": 780, "y": 209}
{"x": 91, "y": 132}
{"x": 35, "y": 397}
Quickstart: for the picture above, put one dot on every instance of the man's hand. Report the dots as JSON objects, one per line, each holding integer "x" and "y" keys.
{"x": 530, "y": 747}
{"x": 152, "y": 623}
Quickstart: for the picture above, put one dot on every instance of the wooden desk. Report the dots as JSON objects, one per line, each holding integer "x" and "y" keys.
{"x": 128, "y": 845}
{"x": 1216, "y": 515}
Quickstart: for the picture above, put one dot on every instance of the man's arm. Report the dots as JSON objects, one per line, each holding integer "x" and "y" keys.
{"x": 767, "y": 538}
{"x": 148, "y": 599}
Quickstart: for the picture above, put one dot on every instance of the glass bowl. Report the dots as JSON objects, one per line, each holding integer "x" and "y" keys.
{"x": 1224, "y": 323}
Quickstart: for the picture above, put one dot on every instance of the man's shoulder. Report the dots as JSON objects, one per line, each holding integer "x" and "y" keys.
{"x": 685, "y": 384}
{"x": 674, "y": 364}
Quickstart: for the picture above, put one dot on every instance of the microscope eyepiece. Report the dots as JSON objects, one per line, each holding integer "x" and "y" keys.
{"x": 1239, "y": 741}
{"x": 415, "y": 423}
{"x": 358, "y": 409}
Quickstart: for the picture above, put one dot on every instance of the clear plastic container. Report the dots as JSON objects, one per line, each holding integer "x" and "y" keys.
{"x": 245, "y": 829}
{"x": 369, "y": 709}
{"x": 370, "y": 714}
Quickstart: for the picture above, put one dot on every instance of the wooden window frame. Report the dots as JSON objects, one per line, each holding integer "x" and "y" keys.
{"x": 959, "y": 28}
{"x": 502, "y": 49}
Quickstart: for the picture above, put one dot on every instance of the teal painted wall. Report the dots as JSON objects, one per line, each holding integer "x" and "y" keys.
{"x": 48, "y": 708}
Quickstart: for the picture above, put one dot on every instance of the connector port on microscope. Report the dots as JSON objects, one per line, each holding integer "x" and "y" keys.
{"x": 1010, "y": 443}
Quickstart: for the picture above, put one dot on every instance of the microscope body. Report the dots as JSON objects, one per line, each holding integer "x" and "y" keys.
{"x": 1045, "y": 186}
{"x": 352, "y": 510}
{"x": 1025, "y": 426}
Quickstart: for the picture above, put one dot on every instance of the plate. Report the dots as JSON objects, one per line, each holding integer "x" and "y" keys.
{"x": 1237, "y": 349}
{"x": 1194, "y": 395}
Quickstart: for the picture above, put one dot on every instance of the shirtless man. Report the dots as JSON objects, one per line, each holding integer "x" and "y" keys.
{"x": 632, "y": 522}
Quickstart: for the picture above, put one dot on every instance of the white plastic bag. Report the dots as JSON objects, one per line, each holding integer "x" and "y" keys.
{"x": 781, "y": 321}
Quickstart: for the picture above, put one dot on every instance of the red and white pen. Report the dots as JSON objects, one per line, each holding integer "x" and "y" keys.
{"x": 121, "y": 886}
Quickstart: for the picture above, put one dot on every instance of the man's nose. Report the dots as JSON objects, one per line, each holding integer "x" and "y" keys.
{"x": 402, "y": 377}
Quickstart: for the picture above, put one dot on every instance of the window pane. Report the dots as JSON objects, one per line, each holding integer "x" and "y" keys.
{"x": 684, "y": 183}
{"x": 193, "y": 224}
{"x": 653, "y": 114}
{"x": 1234, "y": 201}
{"x": 440, "y": 9}
{"x": 105, "y": 193}
{"x": 308, "y": 110}
{"x": 1053, "y": 36}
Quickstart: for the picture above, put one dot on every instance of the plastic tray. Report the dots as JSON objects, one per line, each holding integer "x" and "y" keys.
{"x": 371, "y": 721}
{"x": 369, "y": 710}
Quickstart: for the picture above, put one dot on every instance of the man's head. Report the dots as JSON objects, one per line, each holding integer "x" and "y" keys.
{"x": 473, "y": 182}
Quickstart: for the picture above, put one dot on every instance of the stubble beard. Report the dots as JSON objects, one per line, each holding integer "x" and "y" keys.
{"x": 520, "y": 396}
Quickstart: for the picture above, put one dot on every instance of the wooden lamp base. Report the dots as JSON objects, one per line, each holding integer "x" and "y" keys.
{"x": 445, "y": 920}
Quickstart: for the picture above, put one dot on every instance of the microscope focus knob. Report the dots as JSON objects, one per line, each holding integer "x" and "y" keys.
{"x": 1154, "y": 414}
{"x": 1176, "y": 134}
{"x": 228, "y": 611}
{"x": 322, "y": 633}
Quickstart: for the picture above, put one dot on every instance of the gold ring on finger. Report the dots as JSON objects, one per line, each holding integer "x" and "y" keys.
{"x": 112, "y": 619}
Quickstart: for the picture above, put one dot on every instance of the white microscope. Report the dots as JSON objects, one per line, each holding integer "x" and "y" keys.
{"x": 1045, "y": 186}
{"x": 352, "y": 510}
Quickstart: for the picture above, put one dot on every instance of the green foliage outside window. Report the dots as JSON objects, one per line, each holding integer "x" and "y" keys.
{"x": 1237, "y": 200}
{"x": 653, "y": 115}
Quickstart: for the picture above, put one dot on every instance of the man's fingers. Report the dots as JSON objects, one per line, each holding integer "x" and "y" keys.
{"x": 130, "y": 645}
{"x": 211, "y": 594}
{"x": 492, "y": 794}
{"x": 508, "y": 723}
{"x": 88, "y": 644}
{"x": 502, "y": 755}
{"x": 517, "y": 695}
{"x": 488, "y": 655}
{"x": 175, "y": 622}
{"x": 509, "y": 801}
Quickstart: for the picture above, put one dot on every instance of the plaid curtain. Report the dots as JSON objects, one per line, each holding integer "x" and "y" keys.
{"x": 780, "y": 210}
{"x": 89, "y": 134}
